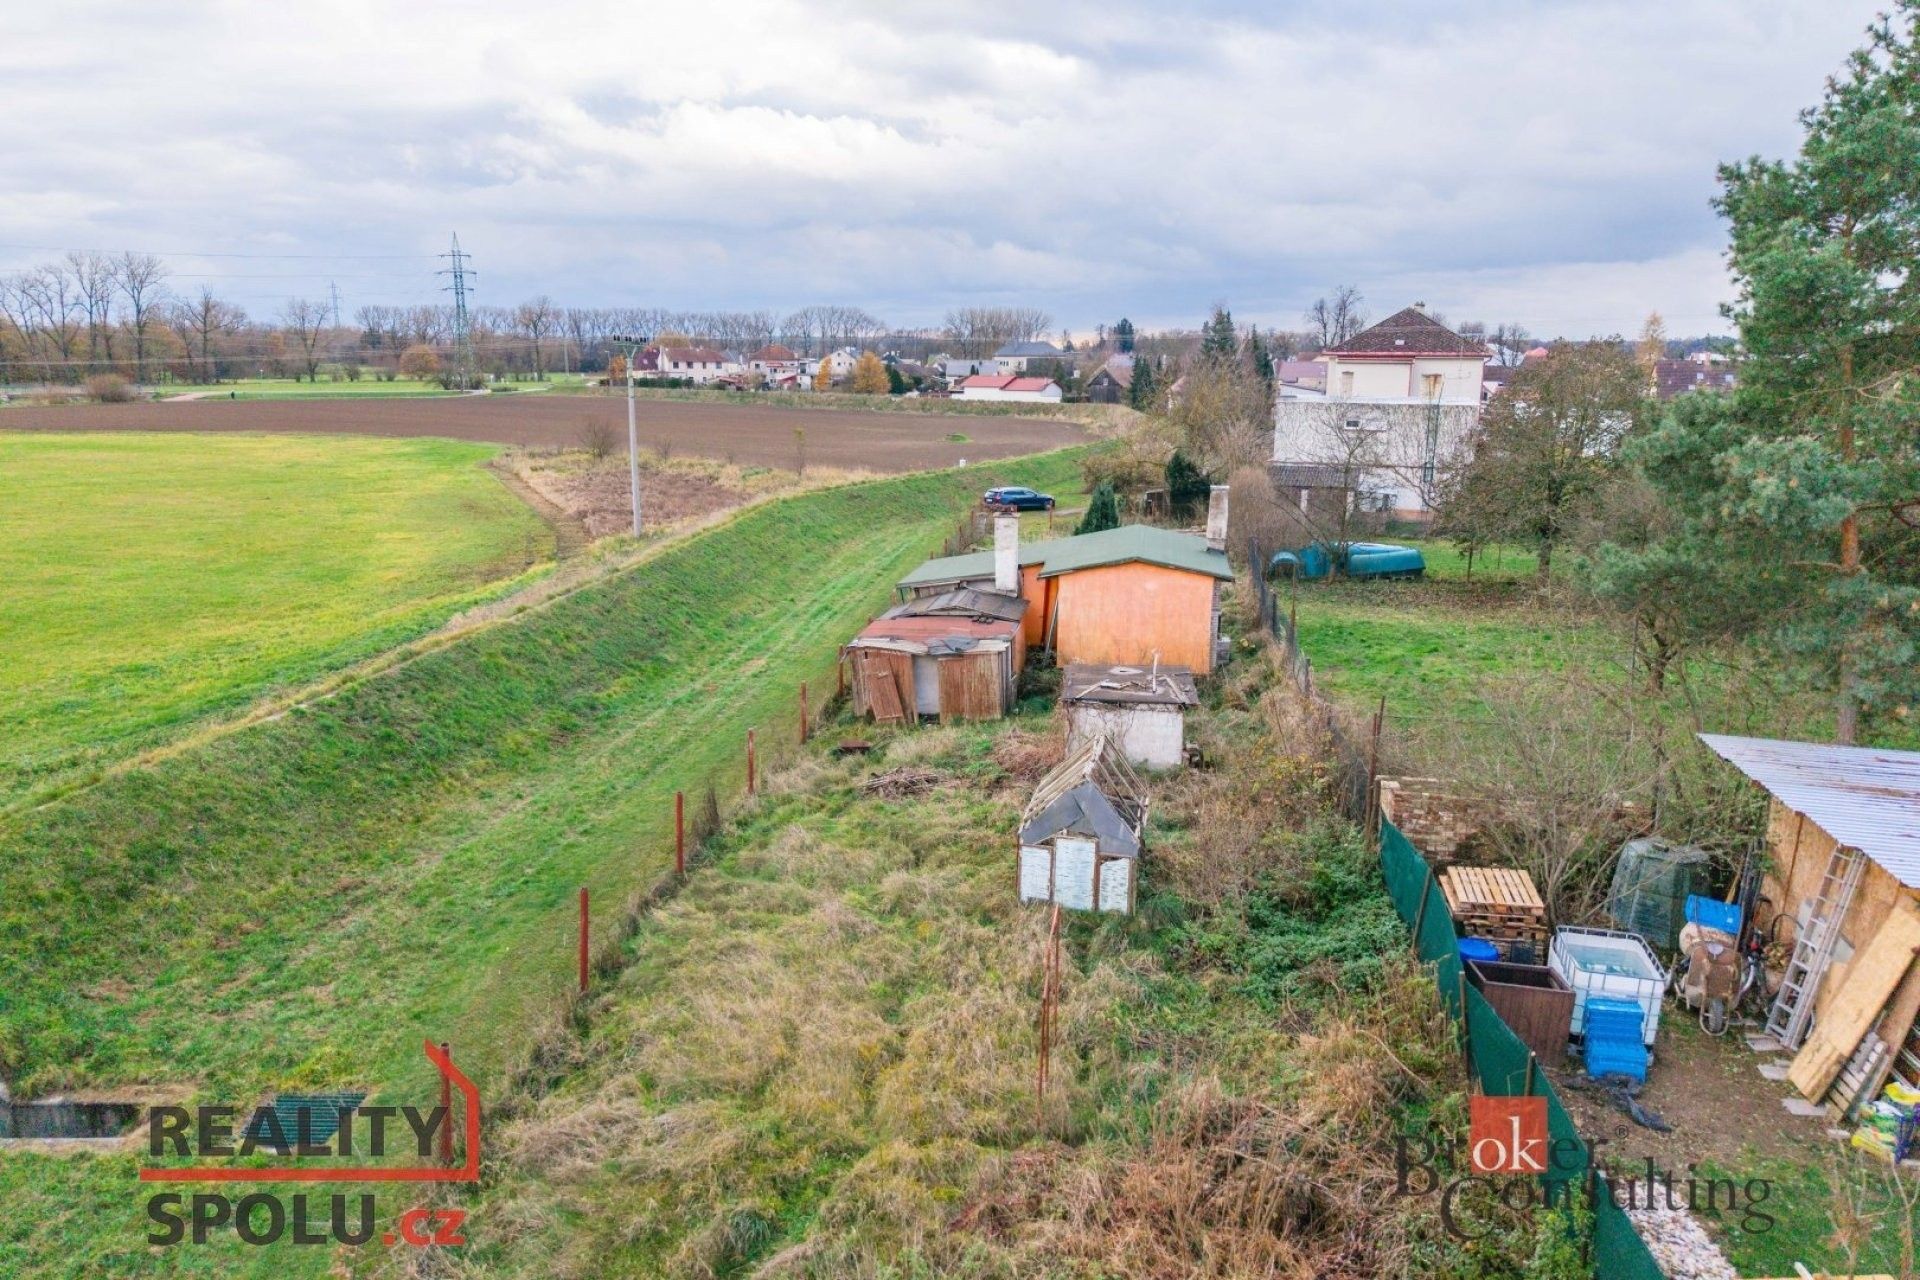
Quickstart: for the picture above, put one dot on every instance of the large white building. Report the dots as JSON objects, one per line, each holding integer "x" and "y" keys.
{"x": 1006, "y": 387}
{"x": 1395, "y": 413}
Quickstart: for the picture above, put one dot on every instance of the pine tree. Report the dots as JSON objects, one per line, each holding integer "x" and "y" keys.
{"x": 1217, "y": 339}
{"x": 1807, "y": 476}
{"x": 1123, "y": 335}
{"x": 896, "y": 382}
{"x": 1103, "y": 512}
{"x": 1188, "y": 487}
{"x": 1259, "y": 356}
{"x": 1142, "y": 392}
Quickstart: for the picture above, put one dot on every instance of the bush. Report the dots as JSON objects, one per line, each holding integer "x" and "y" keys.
{"x": 109, "y": 388}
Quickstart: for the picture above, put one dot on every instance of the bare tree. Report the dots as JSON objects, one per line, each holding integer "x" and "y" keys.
{"x": 537, "y": 320}
{"x": 1332, "y": 320}
{"x": 141, "y": 280}
{"x": 306, "y": 323}
{"x": 202, "y": 321}
{"x": 981, "y": 331}
{"x": 1510, "y": 344}
{"x": 93, "y": 276}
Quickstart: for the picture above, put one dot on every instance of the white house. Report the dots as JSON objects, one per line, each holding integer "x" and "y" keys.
{"x": 702, "y": 364}
{"x": 1396, "y": 412}
{"x": 775, "y": 363}
{"x": 1000, "y": 387}
{"x": 1013, "y": 357}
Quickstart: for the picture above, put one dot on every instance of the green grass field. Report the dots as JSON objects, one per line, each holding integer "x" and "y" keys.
{"x": 298, "y": 389}
{"x": 154, "y": 579}
{"x": 300, "y": 902}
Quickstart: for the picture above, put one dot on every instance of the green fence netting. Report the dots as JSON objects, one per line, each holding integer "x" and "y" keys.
{"x": 1618, "y": 1251}
{"x": 1500, "y": 1058}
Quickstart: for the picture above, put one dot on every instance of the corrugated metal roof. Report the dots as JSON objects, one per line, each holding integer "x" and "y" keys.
{"x": 962, "y": 602}
{"x": 937, "y": 628}
{"x": 1867, "y": 798}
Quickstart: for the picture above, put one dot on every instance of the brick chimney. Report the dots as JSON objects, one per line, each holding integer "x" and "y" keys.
{"x": 1006, "y": 555}
{"x": 1217, "y": 518}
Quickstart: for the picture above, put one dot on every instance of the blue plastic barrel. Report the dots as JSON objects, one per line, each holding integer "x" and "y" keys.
{"x": 1478, "y": 949}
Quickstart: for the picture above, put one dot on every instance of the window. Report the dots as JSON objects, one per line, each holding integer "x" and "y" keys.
{"x": 1430, "y": 385}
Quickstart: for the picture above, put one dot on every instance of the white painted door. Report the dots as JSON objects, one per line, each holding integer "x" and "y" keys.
{"x": 1036, "y": 873}
{"x": 1073, "y": 872}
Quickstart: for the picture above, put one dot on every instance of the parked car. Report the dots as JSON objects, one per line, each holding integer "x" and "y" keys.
{"x": 1010, "y": 497}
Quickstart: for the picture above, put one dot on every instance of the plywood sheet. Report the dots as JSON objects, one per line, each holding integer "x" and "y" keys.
{"x": 1036, "y": 873}
{"x": 1116, "y": 885}
{"x": 1871, "y": 978}
{"x": 1073, "y": 873}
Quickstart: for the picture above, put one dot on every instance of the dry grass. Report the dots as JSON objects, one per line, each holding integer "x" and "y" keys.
{"x": 818, "y": 1060}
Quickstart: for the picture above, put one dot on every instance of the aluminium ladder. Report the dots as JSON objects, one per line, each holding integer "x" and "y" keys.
{"x": 1813, "y": 951}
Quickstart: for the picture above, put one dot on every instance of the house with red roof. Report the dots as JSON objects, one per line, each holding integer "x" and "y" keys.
{"x": 1000, "y": 386}
{"x": 700, "y": 364}
{"x": 1393, "y": 415}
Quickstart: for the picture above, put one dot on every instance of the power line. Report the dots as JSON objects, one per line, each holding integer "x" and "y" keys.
{"x": 462, "y": 323}
{"x": 194, "y": 253}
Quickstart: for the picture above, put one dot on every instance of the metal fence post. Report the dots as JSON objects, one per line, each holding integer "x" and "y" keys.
{"x": 583, "y": 939}
{"x": 446, "y": 1107}
{"x": 680, "y": 833}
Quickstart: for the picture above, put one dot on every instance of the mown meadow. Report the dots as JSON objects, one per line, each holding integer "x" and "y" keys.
{"x": 152, "y": 580}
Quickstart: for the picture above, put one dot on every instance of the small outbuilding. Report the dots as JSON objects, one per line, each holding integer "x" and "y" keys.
{"x": 1081, "y": 834}
{"x": 956, "y": 655}
{"x": 1142, "y": 709}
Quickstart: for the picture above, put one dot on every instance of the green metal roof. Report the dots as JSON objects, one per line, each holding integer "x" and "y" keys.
{"x": 1086, "y": 551}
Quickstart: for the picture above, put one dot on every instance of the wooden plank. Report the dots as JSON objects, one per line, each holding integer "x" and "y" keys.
{"x": 1871, "y": 979}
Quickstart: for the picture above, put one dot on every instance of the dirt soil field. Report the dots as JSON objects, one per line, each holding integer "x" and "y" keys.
{"x": 743, "y": 434}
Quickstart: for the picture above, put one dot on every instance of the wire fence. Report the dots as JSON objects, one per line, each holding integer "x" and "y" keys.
{"x": 1499, "y": 1064}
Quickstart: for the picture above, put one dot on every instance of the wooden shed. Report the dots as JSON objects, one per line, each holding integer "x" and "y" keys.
{"x": 1080, "y": 836}
{"x": 956, "y": 655}
{"x": 1142, "y": 709}
{"x": 1843, "y": 886}
{"x": 1117, "y": 596}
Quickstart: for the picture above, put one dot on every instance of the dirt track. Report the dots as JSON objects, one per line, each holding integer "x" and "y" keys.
{"x": 745, "y": 434}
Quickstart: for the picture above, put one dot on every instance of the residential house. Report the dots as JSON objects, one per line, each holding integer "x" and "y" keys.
{"x": 1398, "y": 406}
{"x": 700, "y": 364}
{"x": 1135, "y": 595}
{"x": 954, "y": 369}
{"x": 1014, "y": 357}
{"x": 1008, "y": 387}
{"x": 1677, "y": 377}
{"x": 1113, "y": 383}
{"x": 776, "y": 363}
{"x": 1310, "y": 374}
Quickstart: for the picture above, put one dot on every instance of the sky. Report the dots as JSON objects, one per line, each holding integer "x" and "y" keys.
{"x": 1535, "y": 161}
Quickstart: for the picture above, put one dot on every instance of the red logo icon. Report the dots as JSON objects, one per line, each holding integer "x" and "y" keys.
{"x": 1507, "y": 1135}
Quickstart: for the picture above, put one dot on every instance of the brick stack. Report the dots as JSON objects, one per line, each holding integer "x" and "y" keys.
{"x": 1436, "y": 822}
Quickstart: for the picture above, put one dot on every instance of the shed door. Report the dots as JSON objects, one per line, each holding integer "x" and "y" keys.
{"x": 1036, "y": 873}
{"x": 1116, "y": 884}
{"x": 887, "y": 679}
{"x": 926, "y": 685}
{"x": 1073, "y": 872}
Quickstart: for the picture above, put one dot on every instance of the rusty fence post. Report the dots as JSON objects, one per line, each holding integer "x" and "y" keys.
{"x": 446, "y": 1107}
{"x": 583, "y": 939}
{"x": 680, "y": 833}
{"x": 750, "y": 771}
{"x": 803, "y": 713}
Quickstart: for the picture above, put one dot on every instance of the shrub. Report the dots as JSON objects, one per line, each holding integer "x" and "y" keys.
{"x": 109, "y": 388}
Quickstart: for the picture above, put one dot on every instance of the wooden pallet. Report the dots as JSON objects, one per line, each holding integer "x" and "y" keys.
{"x": 1499, "y": 904}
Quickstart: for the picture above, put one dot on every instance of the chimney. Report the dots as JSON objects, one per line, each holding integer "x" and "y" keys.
{"x": 1006, "y": 555}
{"x": 1217, "y": 518}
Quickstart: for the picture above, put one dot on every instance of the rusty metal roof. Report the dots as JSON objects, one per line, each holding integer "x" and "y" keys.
{"x": 1866, "y": 798}
{"x": 1165, "y": 685}
{"x": 963, "y": 631}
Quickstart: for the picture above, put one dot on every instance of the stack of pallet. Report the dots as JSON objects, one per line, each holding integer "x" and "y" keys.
{"x": 1499, "y": 904}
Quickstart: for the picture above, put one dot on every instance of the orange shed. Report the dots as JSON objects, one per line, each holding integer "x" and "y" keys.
{"x": 1119, "y": 596}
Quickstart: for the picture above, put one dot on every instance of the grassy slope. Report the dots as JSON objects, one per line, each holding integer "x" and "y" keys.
{"x": 303, "y": 901}
{"x": 213, "y": 568}
{"x": 819, "y": 1058}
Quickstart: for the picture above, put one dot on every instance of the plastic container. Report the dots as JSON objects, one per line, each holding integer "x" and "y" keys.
{"x": 1479, "y": 949}
{"x": 1651, "y": 884}
{"x": 1711, "y": 913}
{"x": 1608, "y": 963}
{"x": 1613, "y": 1044}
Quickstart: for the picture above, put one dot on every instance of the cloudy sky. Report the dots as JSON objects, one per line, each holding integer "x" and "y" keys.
{"x": 1529, "y": 160}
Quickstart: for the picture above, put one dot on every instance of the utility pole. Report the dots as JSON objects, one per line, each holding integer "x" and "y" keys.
{"x": 462, "y": 322}
{"x": 633, "y": 430}
{"x": 334, "y": 290}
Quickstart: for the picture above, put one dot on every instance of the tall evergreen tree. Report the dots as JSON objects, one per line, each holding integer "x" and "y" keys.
{"x": 1143, "y": 391}
{"x": 1188, "y": 487}
{"x": 1217, "y": 338}
{"x": 1103, "y": 512}
{"x": 1123, "y": 335}
{"x": 1810, "y": 471}
{"x": 1260, "y": 356}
